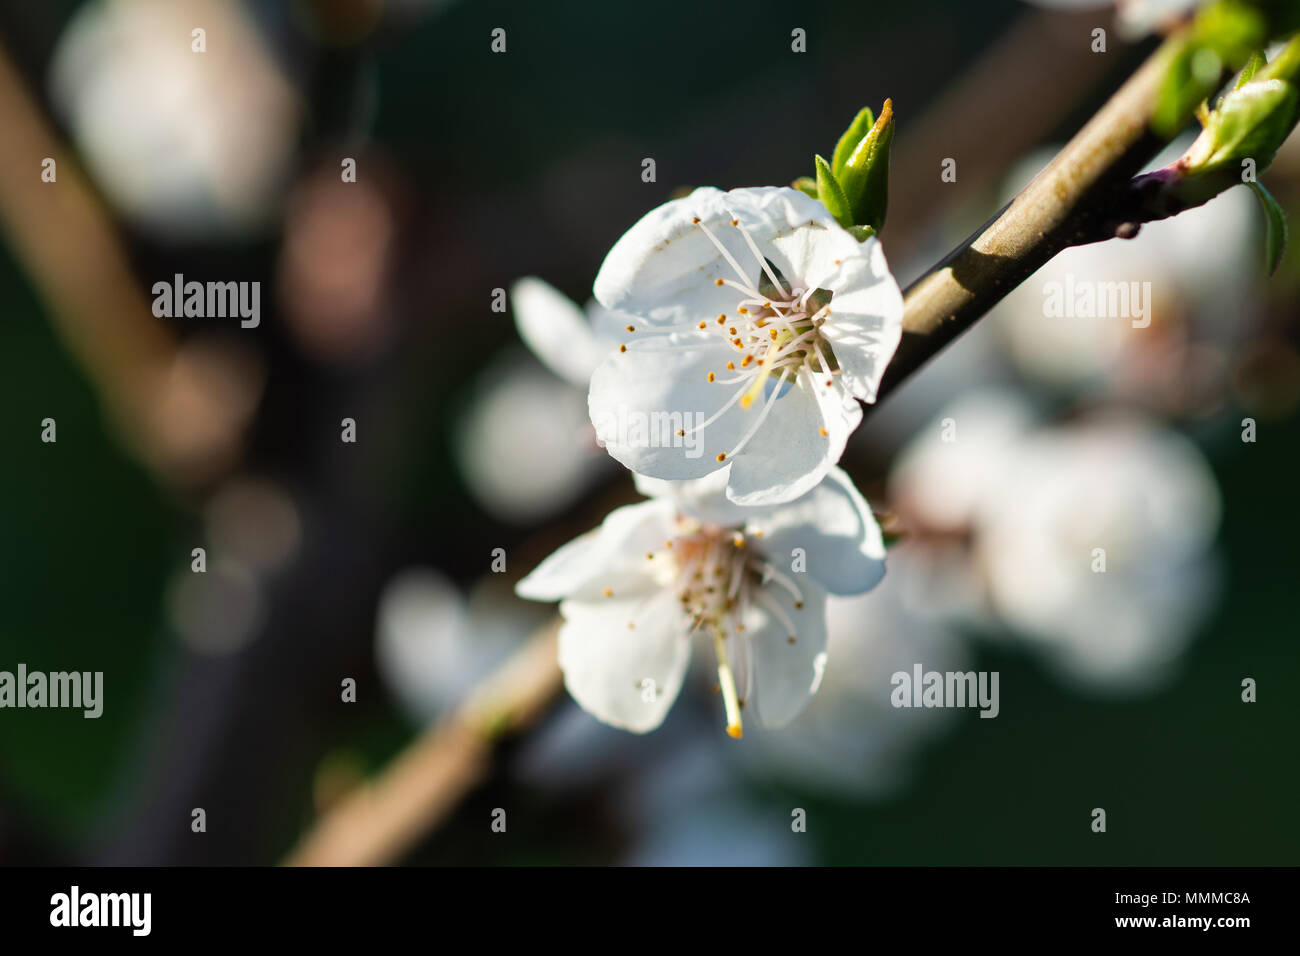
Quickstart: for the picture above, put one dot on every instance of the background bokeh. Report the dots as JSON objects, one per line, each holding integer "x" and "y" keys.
{"x": 370, "y": 560}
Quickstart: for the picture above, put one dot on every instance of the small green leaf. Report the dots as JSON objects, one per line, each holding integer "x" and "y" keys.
{"x": 805, "y": 184}
{"x": 866, "y": 173}
{"x": 1250, "y": 69}
{"x": 1275, "y": 219}
{"x": 849, "y": 140}
{"x": 861, "y": 233}
{"x": 831, "y": 195}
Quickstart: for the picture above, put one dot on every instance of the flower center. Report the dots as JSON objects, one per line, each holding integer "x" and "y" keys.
{"x": 775, "y": 334}
{"x": 718, "y": 574}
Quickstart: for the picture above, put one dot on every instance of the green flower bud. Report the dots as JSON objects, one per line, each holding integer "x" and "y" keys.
{"x": 831, "y": 194}
{"x": 859, "y": 128}
{"x": 865, "y": 178}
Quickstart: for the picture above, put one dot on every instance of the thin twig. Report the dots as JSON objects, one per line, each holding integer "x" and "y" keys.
{"x": 384, "y": 817}
{"x": 1032, "y": 75}
{"x": 1069, "y": 203}
{"x": 180, "y": 412}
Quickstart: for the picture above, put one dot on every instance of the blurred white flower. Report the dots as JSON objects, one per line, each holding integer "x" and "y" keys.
{"x": 944, "y": 475}
{"x": 524, "y": 442}
{"x": 1029, "y": 509}
{"x": 522, "y": 412}
{"x": 1135, "y": 18}
{"x": 186, "y": 144}
{"x": 1140, "y": 17}
{"x": 1095, "y": 546}
{"x": 433, "y": 645}
{"x": 726, "y": 831}
{"x": 687, "y": 811}
{"x": 1162, "y": 304}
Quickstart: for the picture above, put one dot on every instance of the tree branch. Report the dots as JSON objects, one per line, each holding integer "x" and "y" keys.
{"x": 1075, "y": 200}
{"x": 383, "y": 818}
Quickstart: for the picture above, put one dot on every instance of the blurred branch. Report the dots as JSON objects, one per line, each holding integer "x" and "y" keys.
{"x": 422, "y": 786}
{"x": 181, "y": 410}
{"x": 1069, "y": 203}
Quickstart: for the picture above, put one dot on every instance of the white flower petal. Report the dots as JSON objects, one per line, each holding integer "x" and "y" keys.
{"x": 611, "y": 557}
{"x": 640, "y": 398}
{"x": 556, "y": 330}
{"x": 664, "y": 267}
{"x": 954, "y": 463}
{"x": 609, "y": 327}
{"x": 841, "y": 542}
{"x": 703, "y": 498}
{"x": 520, "y": 412}
{"x": 786, "y": 674}
{"x": 627, "y": 677}
{"x": 711, "y": 485}
{"x": 789, "y": 455}
{"x": 866, "y": 320}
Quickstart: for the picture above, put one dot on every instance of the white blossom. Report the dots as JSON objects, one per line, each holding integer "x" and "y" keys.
{"x": 761, "y": 323}
{"x": 688, "y": 562}
{"x": 1091, "y": 541}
